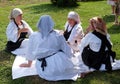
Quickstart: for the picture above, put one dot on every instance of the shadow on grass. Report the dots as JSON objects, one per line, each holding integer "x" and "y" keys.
{"x": 90, "y": 0}
{"x": 43, "y": 8}
{"x": 95, "y": 77}
{"x": 4, "y": 56}
{"x": 5, "y": 73}
{"x": 37, "y": 80}
{"x": 104, "y": 77}
{"x": 109, "y": 18}
{"x": 114, "y": 29}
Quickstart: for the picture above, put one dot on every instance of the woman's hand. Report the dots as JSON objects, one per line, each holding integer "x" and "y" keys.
{"x": 90, "y": 28}
{"x": 24, "y": 30}
{"x": 26, "y": 64}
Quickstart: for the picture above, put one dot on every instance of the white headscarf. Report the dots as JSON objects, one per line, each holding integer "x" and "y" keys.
{"x": 45, "y": 25}
{"x": 74, "y": 15}
{"x": 15, "y": 12}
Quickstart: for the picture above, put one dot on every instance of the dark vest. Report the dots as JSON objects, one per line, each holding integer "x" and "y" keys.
{"x": 67, "y": 34}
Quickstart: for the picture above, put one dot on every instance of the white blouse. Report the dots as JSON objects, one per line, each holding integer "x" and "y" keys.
{"x": 93, "y": 41}
{"x": 39, "y": 47}
{"x": 12, "y": 31}
{"x": 76, "y": 34}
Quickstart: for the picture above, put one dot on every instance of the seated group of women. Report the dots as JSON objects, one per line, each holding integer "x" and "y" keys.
{"x": 65, "y": 56}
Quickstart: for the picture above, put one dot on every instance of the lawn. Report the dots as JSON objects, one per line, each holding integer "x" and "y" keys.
{"x": 33, "y": 9}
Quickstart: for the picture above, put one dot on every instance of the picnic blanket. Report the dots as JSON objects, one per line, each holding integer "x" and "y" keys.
{"x": 18, "y": 72}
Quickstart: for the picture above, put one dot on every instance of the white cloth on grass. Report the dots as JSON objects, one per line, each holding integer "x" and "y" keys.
{"x": 18, "y": 72}
{"x": 12, "y": 35}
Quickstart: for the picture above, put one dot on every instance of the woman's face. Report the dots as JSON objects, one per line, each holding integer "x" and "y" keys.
{"x": 72, "y": 22}
{"x": 18, "y": 18}
{"x": 99, "y": 25}
{"x": 91, "y": 25}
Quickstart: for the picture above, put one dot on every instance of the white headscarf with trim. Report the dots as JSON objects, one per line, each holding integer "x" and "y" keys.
{"x": 14, "y": 13}
{"x": 74, "y": 15}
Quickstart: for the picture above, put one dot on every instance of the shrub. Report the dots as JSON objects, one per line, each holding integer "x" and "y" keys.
{"x": 63, "y": 3}
{"x": 90, "y": 0}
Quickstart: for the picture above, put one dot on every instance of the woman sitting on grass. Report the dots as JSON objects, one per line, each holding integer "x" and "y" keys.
{"x": 73, "y": 30}
{"x": 17, "y": 31}
{"x": 96, "y": 48}
{"x": 54, "y": 57}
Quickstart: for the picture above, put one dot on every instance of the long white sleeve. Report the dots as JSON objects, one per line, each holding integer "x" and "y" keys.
{"x": 31, "y": 47}
{"x": 12, "y": 32}
{"x": 84, "y": 42}
{"x": 64, "y": 46}
{"x": 27, "y": 26}
{"x": 93, "y": 41}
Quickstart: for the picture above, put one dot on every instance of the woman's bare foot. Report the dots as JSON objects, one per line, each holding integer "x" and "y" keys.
{"x": 25, "y": 65}
{"x": 83, "y": 75}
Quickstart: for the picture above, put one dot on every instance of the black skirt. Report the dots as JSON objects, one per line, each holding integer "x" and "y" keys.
{"x": 11, "y": 46}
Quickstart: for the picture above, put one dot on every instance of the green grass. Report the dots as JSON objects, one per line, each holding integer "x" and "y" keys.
{"x": 33, "y": 9}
